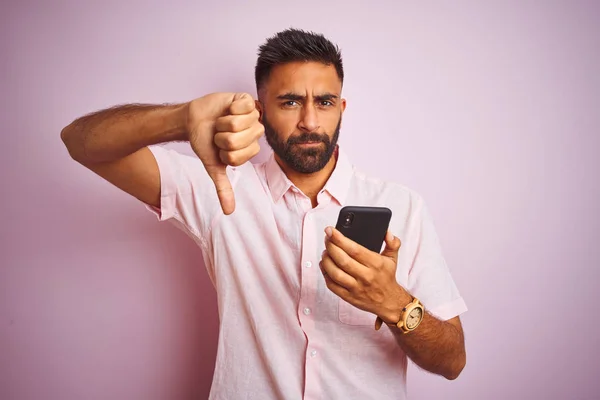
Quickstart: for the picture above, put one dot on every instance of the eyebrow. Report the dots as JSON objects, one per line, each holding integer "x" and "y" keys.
{"x": 297, "y": 97}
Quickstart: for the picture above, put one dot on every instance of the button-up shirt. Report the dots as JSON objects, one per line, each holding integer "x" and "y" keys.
{"x": 282, "y": 333}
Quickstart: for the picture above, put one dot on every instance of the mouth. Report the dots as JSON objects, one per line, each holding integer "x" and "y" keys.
{"x": 309, "y": 144}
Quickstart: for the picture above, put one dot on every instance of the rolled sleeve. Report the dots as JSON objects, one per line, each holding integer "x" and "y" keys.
{"x": 429, "y": 277}
{"x": 188, "y": 197}
{"x": 449, "y": 310}
{"x": 168, "y": 185}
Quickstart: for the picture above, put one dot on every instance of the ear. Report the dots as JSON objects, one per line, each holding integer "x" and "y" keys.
{"x": 259, "y": 107}
{"x": 343, "y": 105}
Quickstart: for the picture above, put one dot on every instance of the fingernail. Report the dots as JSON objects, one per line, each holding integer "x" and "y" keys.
{"x": 328, "y": 231}
{"x": 323, "y": 253}
{"x": 390, "y": 236}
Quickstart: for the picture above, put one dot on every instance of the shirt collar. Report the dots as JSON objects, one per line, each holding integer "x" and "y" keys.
{"x": 337, "y": 185}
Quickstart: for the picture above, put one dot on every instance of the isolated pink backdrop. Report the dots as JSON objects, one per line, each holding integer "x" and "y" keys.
{"x": 491, "y": 110}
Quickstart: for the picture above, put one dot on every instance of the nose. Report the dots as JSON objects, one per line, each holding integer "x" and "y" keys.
{"x": 309, "y": 121}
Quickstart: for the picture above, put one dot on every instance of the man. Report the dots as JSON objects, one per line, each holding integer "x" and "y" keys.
{"x": 298, "y": 301}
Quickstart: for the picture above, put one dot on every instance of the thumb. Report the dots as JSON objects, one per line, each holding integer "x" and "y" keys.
{"x": 392, "y": 245}
{"x": 219, "y": 176}
{"x": 242, "y": 103}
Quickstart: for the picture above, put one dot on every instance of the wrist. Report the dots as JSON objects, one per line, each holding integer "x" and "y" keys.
{"x": 393, "y": 306}
{"x": 180, "y": 117}
{"x": 167, "y": 123}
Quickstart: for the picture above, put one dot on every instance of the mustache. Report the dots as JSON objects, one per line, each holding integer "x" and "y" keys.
{"x": 307, "y": 137}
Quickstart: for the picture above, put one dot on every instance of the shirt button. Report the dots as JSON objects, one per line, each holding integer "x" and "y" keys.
{"x": 313, "y": 353}
{"x": 308, "y": 264}
{"x": 306, "y": 311}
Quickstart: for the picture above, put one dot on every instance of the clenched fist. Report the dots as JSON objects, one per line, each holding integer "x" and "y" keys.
{"x": 223, "y": 129}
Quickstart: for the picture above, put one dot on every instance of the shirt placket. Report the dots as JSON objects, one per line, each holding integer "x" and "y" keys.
{"x": 306, "y": 308}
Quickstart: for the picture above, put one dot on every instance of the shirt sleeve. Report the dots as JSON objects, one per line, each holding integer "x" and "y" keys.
{"x": 188, "y": 197}
{"x": 429, "y": 277}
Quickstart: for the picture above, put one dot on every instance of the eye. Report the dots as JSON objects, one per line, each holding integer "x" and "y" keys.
{"x": 326, "y": 103}
{"x": 290, "y": 103}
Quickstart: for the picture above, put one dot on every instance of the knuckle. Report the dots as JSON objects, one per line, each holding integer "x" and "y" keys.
{"x": 230, "y": 142}
{"x": 343, "y": 263}
{"x": 368, "y": 278}
{"x": 236, "y": 124}
{"x": 247, "y": 101}
{"x": 353, "y": 251}
{"x": 260, "y": 129}
{"x": 336, "y": 278}
{"x": 229, "y": 158}
{"x": 359, "y": 293}
{"x": 328, "y": 283}
{"x": 235, "y": 161}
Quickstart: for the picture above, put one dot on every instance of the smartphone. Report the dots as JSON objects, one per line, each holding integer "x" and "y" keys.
{"x": 366, "y": 226}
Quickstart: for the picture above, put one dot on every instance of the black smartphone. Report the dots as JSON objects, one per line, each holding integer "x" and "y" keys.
{"x": 366, "y": 226}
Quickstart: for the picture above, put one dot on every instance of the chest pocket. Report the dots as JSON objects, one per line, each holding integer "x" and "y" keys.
{"x": 350, "y": 315}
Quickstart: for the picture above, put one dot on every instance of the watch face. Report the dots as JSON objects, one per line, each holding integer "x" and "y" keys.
{"x": 414, "y": 318}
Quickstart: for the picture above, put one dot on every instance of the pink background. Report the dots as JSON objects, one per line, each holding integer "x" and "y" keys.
{"x": 491, "y": 110}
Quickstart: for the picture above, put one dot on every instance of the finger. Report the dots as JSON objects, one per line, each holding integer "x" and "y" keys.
{"x": 242, "y": 103}
{"x": 218, "y": 175}
{"x": 350, "y": 247}
{"x": 236, "y": 123}
{"x": 340, "y": 291}
{"x": 392, "y": 246}
{"x": 337, "y": 275}
{"x": 344, "y": 261}
{"x": 236, "y": 158}
{"x": 231, "y": 141}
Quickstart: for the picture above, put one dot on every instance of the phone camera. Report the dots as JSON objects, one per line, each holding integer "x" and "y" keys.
{"x": 349, "y": 219}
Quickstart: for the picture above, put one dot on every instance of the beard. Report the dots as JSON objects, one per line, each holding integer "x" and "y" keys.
{"x": 302, "y": 160}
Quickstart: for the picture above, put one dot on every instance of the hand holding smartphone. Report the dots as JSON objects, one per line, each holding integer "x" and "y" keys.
{"x": 365, "y": 225}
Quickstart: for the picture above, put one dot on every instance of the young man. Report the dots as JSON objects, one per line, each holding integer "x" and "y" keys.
{"x": 299, "y": 304}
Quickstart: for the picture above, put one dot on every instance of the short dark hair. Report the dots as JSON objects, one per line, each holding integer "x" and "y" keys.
{"x": 293, "y": 45}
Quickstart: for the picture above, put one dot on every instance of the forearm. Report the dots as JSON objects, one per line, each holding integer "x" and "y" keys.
{"x": 116, "y": 132}
{"x": 436, "y": 346}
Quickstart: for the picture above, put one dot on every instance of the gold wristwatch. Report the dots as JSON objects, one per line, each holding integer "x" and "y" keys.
{"x": 411, "y": 317}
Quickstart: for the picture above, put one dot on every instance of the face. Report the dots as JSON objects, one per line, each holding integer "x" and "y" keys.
{"x": 413, "y": 318}
{"x": 301, "y": 109}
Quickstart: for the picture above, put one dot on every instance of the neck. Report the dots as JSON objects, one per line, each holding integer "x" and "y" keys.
{"x": 310, "y": 184}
